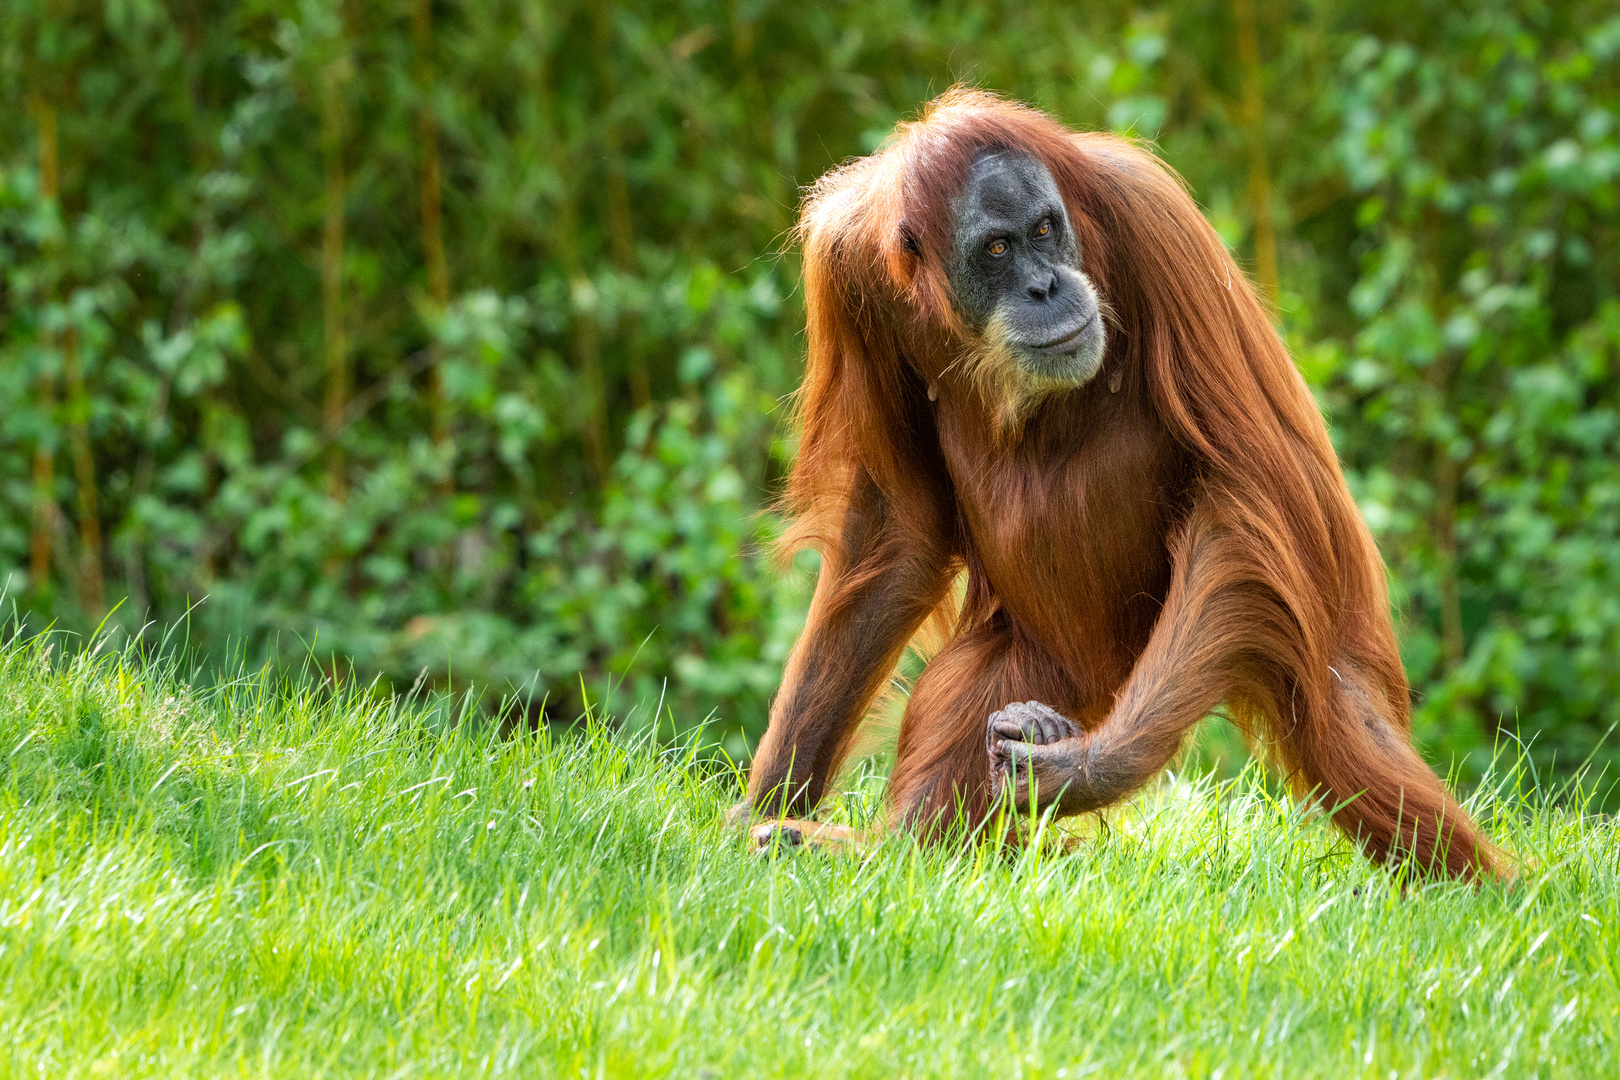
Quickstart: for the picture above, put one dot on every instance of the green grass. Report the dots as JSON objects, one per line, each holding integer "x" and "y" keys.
{"x": 250, "y": 880}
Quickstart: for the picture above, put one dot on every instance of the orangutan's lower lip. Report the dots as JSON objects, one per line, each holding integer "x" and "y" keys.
{"x": 1064, "y": 342}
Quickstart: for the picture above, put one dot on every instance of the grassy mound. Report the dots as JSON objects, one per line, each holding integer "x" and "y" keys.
{"x": 247, "y": 880}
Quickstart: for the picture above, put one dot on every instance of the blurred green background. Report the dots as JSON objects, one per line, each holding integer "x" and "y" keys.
{"x": 448, "y": 342}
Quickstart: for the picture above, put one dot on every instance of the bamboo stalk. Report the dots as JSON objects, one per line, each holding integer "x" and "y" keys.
{"x": 1445, "y": 546}
{"x": 44, "y": 508}
{"x": 1447, "y": 470}
{"x": 44, "y": 517}
{"x": 1254, "y": 116}
{"x": 621, "y": 226}
{"x": 438, "y": 269}
{"x": 84, "y": 476}
{"x": 588, "y": 348}
{"x": 587, "y": 345}
{"x": 45, "y": 121}
{"x": 336, "y": 338}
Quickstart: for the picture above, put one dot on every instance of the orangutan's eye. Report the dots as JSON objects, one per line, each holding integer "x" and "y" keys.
{"x": 997, "y": 247}
{"x": 1044, "y": 228}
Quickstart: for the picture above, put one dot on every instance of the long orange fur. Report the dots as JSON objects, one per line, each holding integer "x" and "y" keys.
{"x": 1172, "y": 536}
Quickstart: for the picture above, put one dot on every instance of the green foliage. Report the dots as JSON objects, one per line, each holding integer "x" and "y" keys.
{"x": 266, "y": 881}
{"x": 1479, "y": 400}
{"x": 548, "y": 455}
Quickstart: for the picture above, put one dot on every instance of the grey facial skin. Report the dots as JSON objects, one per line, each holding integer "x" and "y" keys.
{"x": 1015, "y": 271}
